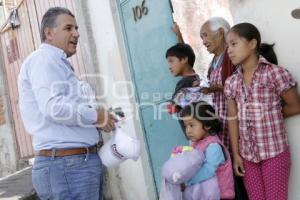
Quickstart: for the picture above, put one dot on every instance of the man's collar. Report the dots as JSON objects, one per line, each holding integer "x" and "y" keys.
{"x": 54, "y": 49}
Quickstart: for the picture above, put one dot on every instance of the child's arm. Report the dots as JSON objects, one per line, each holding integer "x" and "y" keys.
{"x": 234, "y": 137}
{"x": 213, "y": 158}
{"x": 285, "y": 86}
{"x": 292, "y": 102}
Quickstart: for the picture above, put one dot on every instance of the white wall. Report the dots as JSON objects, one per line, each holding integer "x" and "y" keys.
{"x": 275, "y": 23}
{"x": 190, "y": 15}
{"x": 132, "y": 180}
{"x": 8, "y": 154}
{"x": 8, "y": 149}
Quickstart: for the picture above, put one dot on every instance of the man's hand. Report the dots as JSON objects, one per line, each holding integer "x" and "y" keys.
{"x": 212, "y": 89}
{"x": 105, "y": 120}
{"x": 205, "y": 90}
{"x": 176, "y": 30}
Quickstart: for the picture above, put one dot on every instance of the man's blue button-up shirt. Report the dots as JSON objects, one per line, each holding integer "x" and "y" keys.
{"x": 53, "y": 110}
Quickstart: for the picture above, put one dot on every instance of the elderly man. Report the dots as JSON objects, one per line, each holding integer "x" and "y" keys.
{"x": 54, "y": 112}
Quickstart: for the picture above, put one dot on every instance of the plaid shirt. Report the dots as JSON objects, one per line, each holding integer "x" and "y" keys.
{"x": 262, "y": 132}
{"x": 220, "y": 106}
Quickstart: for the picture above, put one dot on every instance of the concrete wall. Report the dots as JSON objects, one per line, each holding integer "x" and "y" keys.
{"x": 190, "y": 15}
{"x": 8, "y": 157}
{"x": 2, "y": 16}
{"x": 102, "y": 35}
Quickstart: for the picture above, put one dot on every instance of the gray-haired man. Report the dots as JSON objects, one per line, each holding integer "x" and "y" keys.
{"x": 60, "y": 120}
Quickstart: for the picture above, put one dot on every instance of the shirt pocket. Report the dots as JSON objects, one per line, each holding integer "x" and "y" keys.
{"x": 264, "y": 93}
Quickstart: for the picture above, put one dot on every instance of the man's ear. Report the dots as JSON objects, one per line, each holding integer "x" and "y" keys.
{"x": 48, "y": 33}
{"x": 221, "y": 32}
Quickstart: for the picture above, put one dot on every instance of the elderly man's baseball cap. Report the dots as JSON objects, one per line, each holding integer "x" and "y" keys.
{"x": 119, "y": 148}
{"x": 296, "y": 13}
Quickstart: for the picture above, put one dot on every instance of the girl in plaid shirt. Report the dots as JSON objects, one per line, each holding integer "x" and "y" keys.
{"x": 259, "y": 96}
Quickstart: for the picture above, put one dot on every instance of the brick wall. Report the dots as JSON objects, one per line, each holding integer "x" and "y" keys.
{"x": 8, "y": 156}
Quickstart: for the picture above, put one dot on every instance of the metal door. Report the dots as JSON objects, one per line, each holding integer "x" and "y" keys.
{"x": 147, "y": 29}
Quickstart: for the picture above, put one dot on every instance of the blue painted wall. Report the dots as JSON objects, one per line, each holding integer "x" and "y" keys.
{"x": 147, "y": 38}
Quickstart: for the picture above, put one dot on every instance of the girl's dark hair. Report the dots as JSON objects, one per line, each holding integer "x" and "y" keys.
{"x": 249, "y": 32}
{"x": 182, "y": 50}
{"x": 205, "y": 113}
{"x": 267, "y": 51}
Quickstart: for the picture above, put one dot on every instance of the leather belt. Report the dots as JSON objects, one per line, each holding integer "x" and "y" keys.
{"x": 69, "y": 152}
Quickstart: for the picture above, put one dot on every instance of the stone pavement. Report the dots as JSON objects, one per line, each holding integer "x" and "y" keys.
{"x": 17, "y": 186}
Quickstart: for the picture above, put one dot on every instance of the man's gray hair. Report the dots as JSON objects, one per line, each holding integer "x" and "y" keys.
{"x": 216, "y": 23}
{"x": 49, "y": 19}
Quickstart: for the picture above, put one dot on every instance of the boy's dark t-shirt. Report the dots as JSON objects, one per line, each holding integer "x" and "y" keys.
{"x": 186, "y": 81}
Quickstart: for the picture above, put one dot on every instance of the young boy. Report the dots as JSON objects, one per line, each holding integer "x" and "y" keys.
{"x": 181, "y": 59}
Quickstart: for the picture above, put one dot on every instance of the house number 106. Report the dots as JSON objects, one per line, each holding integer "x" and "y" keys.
{"x": 139, "y": 11}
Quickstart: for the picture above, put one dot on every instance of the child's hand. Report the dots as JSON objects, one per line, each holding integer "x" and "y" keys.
{"x": 238, "y": 166}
